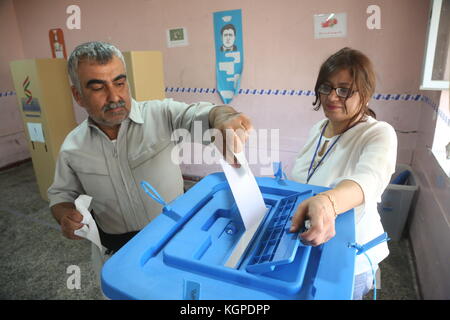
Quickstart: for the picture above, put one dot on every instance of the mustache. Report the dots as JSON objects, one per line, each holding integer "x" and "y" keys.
{"x": 113, "y": 105}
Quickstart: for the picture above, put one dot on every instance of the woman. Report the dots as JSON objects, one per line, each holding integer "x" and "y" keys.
{"x": 350, "y": 152}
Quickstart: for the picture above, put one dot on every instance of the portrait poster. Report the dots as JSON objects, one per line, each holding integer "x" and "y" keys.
{"x": 229, "y": 53}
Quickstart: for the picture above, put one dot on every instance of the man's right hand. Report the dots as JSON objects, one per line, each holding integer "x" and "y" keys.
{"x": 68, "y": 218}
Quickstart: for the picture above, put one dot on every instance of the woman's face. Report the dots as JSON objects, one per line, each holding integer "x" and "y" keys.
{"x": 333, "y": 105}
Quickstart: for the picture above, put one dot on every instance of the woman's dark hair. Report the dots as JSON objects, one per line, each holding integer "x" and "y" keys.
{"x": 361, "y": 71}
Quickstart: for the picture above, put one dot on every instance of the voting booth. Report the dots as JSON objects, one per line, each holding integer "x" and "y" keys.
{"x": 182, "y": 253}
{"x": 45, "y": 102}
{"x": 145, "y": 74}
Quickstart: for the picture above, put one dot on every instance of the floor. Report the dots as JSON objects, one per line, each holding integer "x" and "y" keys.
{"x": 37, "y": 261}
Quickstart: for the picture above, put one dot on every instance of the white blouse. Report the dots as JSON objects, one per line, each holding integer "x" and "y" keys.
{"x": 365, "y": 154}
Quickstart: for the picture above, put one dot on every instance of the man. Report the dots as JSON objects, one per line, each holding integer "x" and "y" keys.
{"x": 120, "y": 144}
{"x": 228, "y": 37}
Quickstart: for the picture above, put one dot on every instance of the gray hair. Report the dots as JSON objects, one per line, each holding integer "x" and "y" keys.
{"x": 98, "y": 51}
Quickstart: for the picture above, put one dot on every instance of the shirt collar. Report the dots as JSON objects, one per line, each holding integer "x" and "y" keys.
{"x": 135, "y": 115}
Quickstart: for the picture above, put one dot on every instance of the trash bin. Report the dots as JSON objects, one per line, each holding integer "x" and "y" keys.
{"x": 396, "y": 201}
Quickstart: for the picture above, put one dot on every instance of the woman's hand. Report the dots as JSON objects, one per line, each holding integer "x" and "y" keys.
{"x": 320, "y": 212}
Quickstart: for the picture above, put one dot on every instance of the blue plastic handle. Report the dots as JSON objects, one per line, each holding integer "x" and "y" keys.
{"x": 278, "y": 171}
{"x": 363, "y": 248}
{"x": 146, "y": 186}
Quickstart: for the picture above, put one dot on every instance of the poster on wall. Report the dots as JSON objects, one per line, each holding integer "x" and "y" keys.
{"x": 35, "y": 131}
{"x": 177, "y": 37}
{"x": 229, "y": 52}
{"x": 330, "y": 25}
{"x": 30, "y": 104}
{"x": 57, "y": 44}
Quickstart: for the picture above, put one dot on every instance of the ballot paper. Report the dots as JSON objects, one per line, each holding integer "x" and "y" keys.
{"x": 89, "y": 229}
{"x": 249, "y": 201}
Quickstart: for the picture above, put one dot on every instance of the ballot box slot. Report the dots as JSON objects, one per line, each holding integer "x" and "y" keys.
{"x": 276, "y": 246}
{"x": 203, "y": 245}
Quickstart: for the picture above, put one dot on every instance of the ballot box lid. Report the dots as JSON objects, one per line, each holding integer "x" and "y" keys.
{"x": 181, "y": 254}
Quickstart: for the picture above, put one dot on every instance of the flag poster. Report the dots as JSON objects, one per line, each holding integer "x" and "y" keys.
{"x": 229, "y": 52}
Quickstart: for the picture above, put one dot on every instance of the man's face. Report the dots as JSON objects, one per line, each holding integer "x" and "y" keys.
{"x": 228, "y": 38}
{"x": 105, "y": 93}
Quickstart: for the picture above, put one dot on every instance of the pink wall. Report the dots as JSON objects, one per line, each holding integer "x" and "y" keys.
{"x": 280, "y": 52}
{"x": 13, "y": 144}
{"x": 430, "y": 220}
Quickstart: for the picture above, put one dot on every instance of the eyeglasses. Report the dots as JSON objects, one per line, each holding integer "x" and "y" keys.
{"x": 340, "y": 92}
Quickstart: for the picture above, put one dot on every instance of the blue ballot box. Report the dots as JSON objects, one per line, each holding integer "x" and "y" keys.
{"x": 182, "y": 253}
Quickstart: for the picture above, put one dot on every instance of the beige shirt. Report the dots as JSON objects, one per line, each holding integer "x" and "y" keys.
{"x": 111, "y": 173}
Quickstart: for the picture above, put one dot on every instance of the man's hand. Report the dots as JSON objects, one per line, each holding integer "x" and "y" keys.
{"x": 68, "y": 218}
{"x": 234, "y": 127}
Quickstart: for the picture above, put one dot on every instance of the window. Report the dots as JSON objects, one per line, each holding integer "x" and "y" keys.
{"x": 435, "y": 76}
{"x": 441, "y": 141}
{"x": 436, "y": 67}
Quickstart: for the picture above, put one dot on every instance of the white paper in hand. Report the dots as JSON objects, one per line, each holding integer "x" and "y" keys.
{"x": 89, "y": 230}
{"x": 245, "y": 191}
{"x": 249, "y": 201}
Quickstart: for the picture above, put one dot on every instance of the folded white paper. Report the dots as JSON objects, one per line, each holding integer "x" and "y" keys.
{"x": 249, "y": 201}
{"x": 89, "y": 230}
{"x": 245, "y": 191}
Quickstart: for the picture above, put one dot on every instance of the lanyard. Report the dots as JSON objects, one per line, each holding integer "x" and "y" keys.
{"x": 311, "y": 170}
